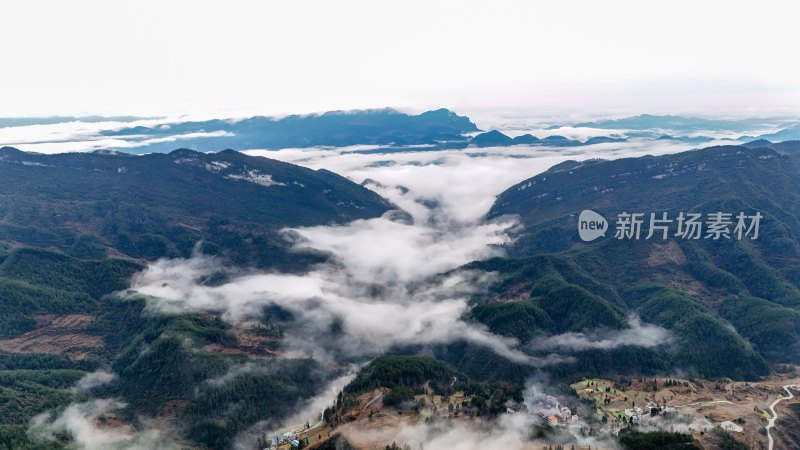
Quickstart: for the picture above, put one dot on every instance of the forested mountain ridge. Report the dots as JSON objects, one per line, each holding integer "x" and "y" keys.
{"x": 159, "y": 205}
{"x": 732, "y": 305}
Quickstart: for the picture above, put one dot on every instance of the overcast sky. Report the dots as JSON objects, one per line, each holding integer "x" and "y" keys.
{"x": 541, "y": 57}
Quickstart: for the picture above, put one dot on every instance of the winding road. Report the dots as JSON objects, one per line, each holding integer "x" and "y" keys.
{"x": 771, "y": 422}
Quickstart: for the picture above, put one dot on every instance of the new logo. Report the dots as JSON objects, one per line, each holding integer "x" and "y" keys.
{"x": 591, "y": 225}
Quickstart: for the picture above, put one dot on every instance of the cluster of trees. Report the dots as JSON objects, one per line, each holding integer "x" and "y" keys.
{"x": 632, "y": 439}
{"x": 726, "y": 441}
{"x": 26, "y": 393}
{"x": 398, "y": 396}
{"x": 405, "y": 376}
{"x": 492, "y": 398}
{"x": 221, "y": 411}
{"x": 16, "y": 437}
{"x": 399, "y": 370}
{"x": 394, "y": 446}
{"x": 29, "y": 385}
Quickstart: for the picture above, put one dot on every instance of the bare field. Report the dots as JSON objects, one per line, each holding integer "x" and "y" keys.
{"x": 56, "y": 335}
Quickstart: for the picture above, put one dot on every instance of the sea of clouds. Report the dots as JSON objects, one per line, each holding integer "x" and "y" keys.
{"x": 391, "y": 281}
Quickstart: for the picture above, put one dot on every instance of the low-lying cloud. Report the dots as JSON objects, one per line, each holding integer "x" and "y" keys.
{"x": 89, "y": 428}
{"x": 383, "y": 286}
{"x": 509, "y": 431}
{"x": 94, "y": 379}
{"x": 638, "y": 334}
{"x": 372, "y": 317}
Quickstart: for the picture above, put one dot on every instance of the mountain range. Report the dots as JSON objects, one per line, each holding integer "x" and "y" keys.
{"x": 74, "y": 229}
{"x": 386, "y": 127}
{"x": 791, "y": 133}
{"x": 680, "y": 124}
{"x": 381, "y": 130}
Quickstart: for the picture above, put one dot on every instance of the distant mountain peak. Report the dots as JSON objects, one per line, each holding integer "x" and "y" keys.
{"x": 490, "y": 139}
{"x": 384, "y": 127}
{"x": 442, "y": 112}
{"x": 758, "y": 143}
{"x": 526, "y": 139}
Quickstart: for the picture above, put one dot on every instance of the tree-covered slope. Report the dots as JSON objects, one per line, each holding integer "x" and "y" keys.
{"x": 730, "y": 305}
{"x": 161, "y": 204}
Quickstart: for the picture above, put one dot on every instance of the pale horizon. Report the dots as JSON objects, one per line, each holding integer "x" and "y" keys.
{"x": 198, "y": 59}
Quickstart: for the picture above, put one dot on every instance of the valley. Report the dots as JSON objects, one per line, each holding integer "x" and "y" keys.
{"x": 417, "y": 225}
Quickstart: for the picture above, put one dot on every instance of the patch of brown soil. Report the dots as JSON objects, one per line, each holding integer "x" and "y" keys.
{"x": 517, "y": 293}
{"x": 172, "y": 409}
{"x": 248, "y": 342}
{"x": 669, "y": 253}
{"x": 56, "y": 335}
{"x": 69, "y": 321}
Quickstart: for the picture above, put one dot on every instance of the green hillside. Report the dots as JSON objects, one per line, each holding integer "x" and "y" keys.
{"x": 157, "y": 205}
{"x": 713, "y": 295}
